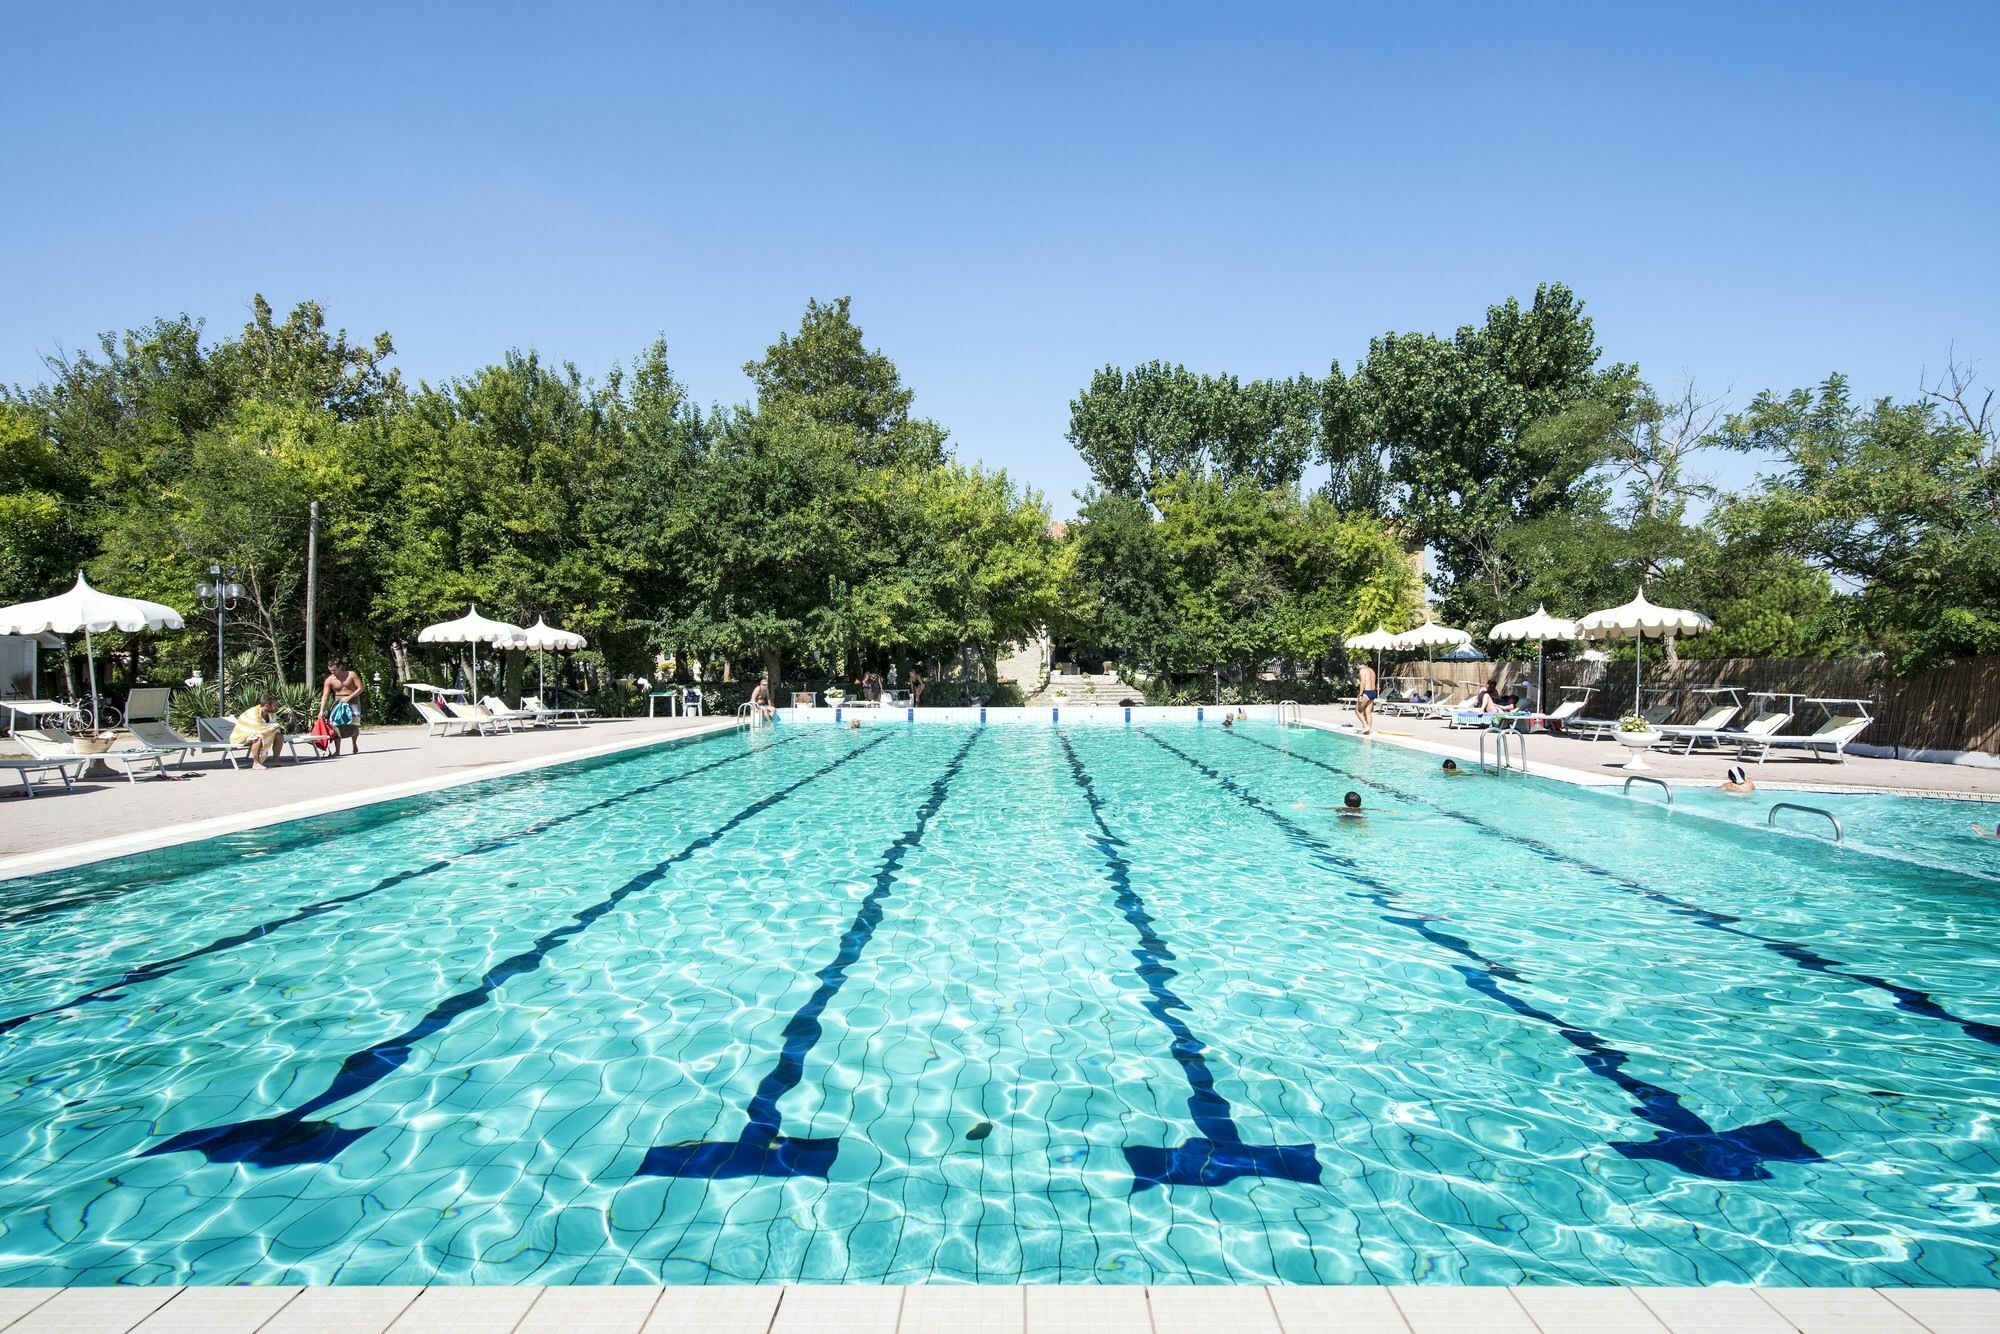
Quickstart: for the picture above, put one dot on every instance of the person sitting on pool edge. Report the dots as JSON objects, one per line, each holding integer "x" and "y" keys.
{"x": 1737, "y": 783}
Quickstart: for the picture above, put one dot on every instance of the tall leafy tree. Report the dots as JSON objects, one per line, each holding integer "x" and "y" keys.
{"x": 1138, "y": 430}
{"x": 1901, "y": 501}
{"x": 1491, "y": 427}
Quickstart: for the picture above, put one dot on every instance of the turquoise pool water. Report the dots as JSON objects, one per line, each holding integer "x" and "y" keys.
{"x": 1007, "y": 1004}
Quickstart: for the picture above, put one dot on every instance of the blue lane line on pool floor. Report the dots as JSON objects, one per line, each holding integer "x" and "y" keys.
{"x": 291, "y": 1137}
{"x": 152, "y": 972}
{"x": 1686, "y": 1140}
{"x": 763, "y": 1149}
{"x": 1908, "y": 999}
{"x": 1221, "y": 1155}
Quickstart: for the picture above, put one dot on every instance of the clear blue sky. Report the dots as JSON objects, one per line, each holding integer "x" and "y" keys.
{"x": 1015, "y": 195}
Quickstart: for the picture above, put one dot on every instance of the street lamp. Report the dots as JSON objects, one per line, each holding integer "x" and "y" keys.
{"x": 219, "y": 594}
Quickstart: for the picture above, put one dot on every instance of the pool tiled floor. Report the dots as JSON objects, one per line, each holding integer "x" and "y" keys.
{"x": 999, "y": 1310}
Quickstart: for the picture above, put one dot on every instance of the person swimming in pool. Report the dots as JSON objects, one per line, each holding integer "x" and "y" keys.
{"x": 1737, "y": 783}
{"x": 1350, "y": 807}
{"x": 1451, "y": 769}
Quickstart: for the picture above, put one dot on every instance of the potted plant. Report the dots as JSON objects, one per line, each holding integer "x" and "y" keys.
{"x": 1638, "y": 736}
{"x": 835, "y": 695}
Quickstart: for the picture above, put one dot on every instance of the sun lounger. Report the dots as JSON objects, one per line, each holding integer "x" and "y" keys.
{"x": 222, "y": 729}
{"x": 472, "y": 715}
{"x": 1747, "y": 737}
{"x": 533, "y": 704}
{"x": 496, "y": 706}
{"x": 49, "y": 746}
{"x": 1600, "y": 729}
{"x": 23, "y": 769}
{"x": 1711, "y": 722}
{"x": 162, "y": 740}
{"x": 1831, "y": 738}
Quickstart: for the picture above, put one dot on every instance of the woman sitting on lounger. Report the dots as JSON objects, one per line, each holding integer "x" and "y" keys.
{"x": 258, "y": 729}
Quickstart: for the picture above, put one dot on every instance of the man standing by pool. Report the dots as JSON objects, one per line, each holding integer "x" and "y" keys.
{"x": 343, "y": 686}
{"x": 1364, "y": 699}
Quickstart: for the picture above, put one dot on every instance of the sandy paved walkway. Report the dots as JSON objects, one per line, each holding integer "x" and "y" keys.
{"x": 107, "y": 816}
{"x": 1603, "y": 761}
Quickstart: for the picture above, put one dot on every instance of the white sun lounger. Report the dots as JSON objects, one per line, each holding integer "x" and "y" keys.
{"x": 1600, "y": 729}
{"x": 221, "y": 729}
{"x": 51, "y": 746}
{"x": 496, "y": 706}
{"x": 473, "y": 715}
{"x": 162, "y": 740}
{"x": 24, "y": 769}
{"x": 1750, "y": 736}
{"x": 533, "y": 704}
{"x": 1830, "y": 738}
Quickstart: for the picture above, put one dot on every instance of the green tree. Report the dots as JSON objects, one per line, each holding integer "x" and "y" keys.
{"x": 1139, "y": 429}
{"x": 1492, "y": 427}
{"x": 826, "y": 374}
{"x": 1899, "y": 501}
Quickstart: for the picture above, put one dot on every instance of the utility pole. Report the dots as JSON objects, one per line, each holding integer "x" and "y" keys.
{"x": 312, "y": 586}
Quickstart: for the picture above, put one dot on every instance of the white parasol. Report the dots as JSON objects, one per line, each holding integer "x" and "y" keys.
{"x": 1430, "y": 635}
{"x": 1540, "y": 627}
{"x": 473, "y": 629}
{"x": 1641, "y": 620}
{"x": 85, "y": 608}
{"x": 1377, "y": 639}
{"x": 541, "y": 637}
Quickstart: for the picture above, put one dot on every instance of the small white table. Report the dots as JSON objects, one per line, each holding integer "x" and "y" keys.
{"x": 673, "y": 698}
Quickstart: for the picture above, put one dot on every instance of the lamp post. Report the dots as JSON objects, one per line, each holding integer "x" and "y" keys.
{"x": 219, "y": 594}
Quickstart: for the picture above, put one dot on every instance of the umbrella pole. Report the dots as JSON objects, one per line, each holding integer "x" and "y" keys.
{"x": 1638, "y": 664}
{"x": 90, "y": 651}
{"x": 1541, "y": 676}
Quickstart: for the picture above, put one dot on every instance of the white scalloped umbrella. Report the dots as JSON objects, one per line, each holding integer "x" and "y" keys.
{"x": 85, "y": 608}
{"x": 1540, "y": 627}
{"x": 1641, "y": 620}
{"x": 1377, "y": 639}
{"x": 473, "y": 629}
{"x": 1431, "y": 635}
{"x": 541, "y": 637}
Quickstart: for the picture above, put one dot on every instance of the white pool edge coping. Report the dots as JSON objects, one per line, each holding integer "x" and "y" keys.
{"x": 72, "y": 855}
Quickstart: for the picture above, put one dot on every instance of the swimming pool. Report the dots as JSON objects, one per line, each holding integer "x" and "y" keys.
{"x": 1001, "y": 1004}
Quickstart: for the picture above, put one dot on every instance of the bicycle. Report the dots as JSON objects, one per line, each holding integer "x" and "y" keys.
{"x": 81, "y": 718}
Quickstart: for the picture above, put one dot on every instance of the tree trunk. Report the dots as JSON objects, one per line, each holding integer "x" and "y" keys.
{"x": 774, "y": 664}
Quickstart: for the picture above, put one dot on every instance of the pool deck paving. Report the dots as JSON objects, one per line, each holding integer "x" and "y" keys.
{"x": 107, "y": 816}
{"x": 1602, "y": 762}
{"x": 1078, "y": 1309}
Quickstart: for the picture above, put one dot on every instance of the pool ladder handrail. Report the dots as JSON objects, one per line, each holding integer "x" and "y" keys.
{"x": 1771, "y": 820}
{"x": 1660, "y": 783}
{"x": 1289, "y": 712}
{"x": 1509, "y": 743}
{"x": 748, "y": 712}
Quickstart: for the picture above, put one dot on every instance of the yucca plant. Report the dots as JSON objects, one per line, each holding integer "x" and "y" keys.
{"x": 190, "y": 704}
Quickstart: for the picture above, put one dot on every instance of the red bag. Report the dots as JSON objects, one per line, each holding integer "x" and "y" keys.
{"x": 322, "y": 732}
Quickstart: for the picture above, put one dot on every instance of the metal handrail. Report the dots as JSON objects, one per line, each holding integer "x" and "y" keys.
{"x": 1506, "y": 744}
{"x": 1290, "y": 712}
{"x": 1659, "y": 783}
{"x": 1771, "y": 820}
